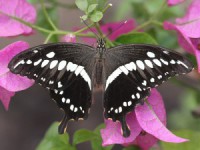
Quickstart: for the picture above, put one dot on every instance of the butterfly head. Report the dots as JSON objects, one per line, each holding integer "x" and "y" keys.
{"x": 101, "y": 46}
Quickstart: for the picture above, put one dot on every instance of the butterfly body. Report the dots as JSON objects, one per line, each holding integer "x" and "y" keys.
{"x": 71, "y": 71}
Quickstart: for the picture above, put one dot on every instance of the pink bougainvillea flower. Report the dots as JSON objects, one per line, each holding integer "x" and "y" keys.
{"x": 69, "y": 38}
{"x": 9, "y": 82}
{"x": 112, "y": 28}
{"x": 174, "y": 2}
{"x": 16, "y": 8}
{"x": 188, "y": 30}
{"x": 147, "y": 125}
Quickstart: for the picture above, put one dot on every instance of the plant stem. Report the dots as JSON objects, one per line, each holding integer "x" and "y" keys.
{"x": 48, "y": 38}
{"x": 97, "y": 26}
{"x": 160, "y": 24}
{"x": 47, "y": 16}
{"x": 30, "y": 24}
{"x": 83, "y": 29}
{"x": 106, "y": 8}
{"x": 159, "y": 11}
{"x": 142, "y": 26}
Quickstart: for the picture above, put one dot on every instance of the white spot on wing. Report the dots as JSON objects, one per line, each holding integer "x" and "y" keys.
{"x": 172, "y": 62}
{"x": 62, "y": 65}
{"x": 157, "y": 62}
{"x": 53, "y": 64}
{"x": 37, "y": 62}
{"x": 78, "y": 70}
{"x": 44, "y": 63}
{"x": 59, "y": 84}
{"x": 71, "y": 107}
{"x": 164, "y": 61}
{"x": 144, "y": 83}
{"x": 131, "y": 66}
{"x": 125, "y": 104}
{"x": 182, "y": 63}
{"x": 159, "y": 77}
{"x": 68, "y": 101}
{"x": 71, "y": 67}
{"x": 29, "y": 62}
{"x": 150, "y": 54}
{"x": 86, "y": 77}
{"x": 19, "y": 63}
{"x": 63, "y": 100}
{"x": 140, "y": 64}
{"x": 138, "y": 95}
{"x": 50, "y": 55}
{"x": 129, "y": 103}
{"x": 124, "y": 70}
{"x": 152, "y": 80}
{"x": 148, "y": 63}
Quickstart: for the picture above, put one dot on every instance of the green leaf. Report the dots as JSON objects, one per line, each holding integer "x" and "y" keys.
{"x": 42, "y": 21}
{"x": 92, "y": 7}
{"x": 136, "y": 38}
{"x": 83, "y": 135}
{"x": 82, "y": 4}
{"x": 193, "y": 144}
{"x": 102, "y": 4}
{"x": 54, "y": 141}
{"x": 96, "y": 16}
{"x": 97, "y": 142}
{"x": 84, "y": 17}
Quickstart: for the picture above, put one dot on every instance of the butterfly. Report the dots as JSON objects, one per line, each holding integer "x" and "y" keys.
{"x": 71, "y": 72}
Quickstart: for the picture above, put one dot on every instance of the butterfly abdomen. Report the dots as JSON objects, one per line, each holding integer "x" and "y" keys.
{"x": 98, "y": 72}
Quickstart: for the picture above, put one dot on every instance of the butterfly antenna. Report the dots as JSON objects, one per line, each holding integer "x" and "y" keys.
{"x": 89, "y": 28}
{"x": 116, "y": 29}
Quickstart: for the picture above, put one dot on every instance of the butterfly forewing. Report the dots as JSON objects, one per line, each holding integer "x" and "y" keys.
{"x": 131, "y": 71}
{"x": 65, "y": 69}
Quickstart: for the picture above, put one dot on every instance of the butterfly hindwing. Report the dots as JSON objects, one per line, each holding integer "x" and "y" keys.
{"x": 132, "y": 70}
{"x": 75, "y": 100}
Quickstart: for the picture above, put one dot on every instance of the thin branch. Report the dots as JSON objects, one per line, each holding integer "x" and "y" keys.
{"x": 47, "y": 16}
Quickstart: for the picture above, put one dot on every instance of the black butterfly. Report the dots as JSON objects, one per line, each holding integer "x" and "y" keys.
{"x": 71, "y": 71}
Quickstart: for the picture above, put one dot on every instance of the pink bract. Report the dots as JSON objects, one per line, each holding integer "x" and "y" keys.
{"x": 9, "y": 82}
{"x": 16, "y": 8}
{"x": 69, "y": 38}
{"x": 147, "y": 126}
{"x": 188, "y": 30}
{"x": 174, "y": 2}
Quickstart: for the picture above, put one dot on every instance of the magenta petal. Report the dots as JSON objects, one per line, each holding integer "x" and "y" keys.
{"x": 9, "y": 52}
{"x": 145, "y": 141}
{"x": 17, "y": 8}
{"x": 112, "y": 133}
{"x": 153, "y": 120}
{"x": 189, "y": 44}
{"x": 14, "y": 83}
{"x": 174, "y": 2}
{"x": 190, "y": 23}
{"x": 69, "y": 38}
{"x": 5, "y": 97}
